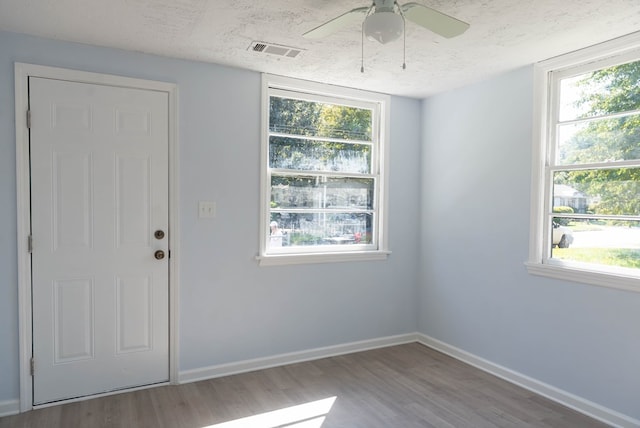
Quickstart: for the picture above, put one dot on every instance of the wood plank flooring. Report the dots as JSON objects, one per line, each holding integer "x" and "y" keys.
{"x": 405, "y": 386}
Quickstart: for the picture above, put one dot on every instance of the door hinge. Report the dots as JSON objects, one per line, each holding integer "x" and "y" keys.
{"x": 30, "y": 244}
{"x": 32, "y": 366}
{"x": 29, "y": 119}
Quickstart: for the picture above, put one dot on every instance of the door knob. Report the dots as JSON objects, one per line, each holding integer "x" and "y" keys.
{"x": 159, "y": 255}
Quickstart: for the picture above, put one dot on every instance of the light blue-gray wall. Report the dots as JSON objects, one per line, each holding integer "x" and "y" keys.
{"x": 475, "y": 292}
{"x": 459, "y": 224}
{"x": 231, "y": 309}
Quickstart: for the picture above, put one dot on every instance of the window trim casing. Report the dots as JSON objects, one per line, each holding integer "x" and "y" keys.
{"x": 319, "y": 89}
{"x": 542, "y": 99}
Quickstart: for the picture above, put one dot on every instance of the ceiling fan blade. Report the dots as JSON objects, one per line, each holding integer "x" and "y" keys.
{"x": 444, "y": 25}
{"x": 336, "y": 24}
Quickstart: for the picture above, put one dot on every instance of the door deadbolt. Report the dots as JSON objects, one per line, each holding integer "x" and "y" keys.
{"x": 159, "y": 255}
{"x": 159, "y": 234}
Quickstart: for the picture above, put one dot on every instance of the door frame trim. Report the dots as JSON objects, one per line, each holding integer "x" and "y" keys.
{"x": 23, "y": 195}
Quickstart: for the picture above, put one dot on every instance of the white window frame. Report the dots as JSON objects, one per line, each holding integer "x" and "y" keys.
{"x": 619, "y": 50}
{"x": 380, "y": 162}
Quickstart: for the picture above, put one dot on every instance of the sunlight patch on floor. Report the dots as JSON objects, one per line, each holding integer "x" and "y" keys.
{"x": 308, "y": 415}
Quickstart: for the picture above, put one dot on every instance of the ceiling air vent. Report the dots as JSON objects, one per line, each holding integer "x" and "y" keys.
{"x": 278, "y": 50}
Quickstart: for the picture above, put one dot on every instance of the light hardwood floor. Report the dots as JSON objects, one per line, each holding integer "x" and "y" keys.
{"x": 403, "y": 386}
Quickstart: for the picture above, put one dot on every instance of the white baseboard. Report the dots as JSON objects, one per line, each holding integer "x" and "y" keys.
{"x": 220, "y": 370}
{"x": 9, "y": 407}
{"x": 565, "y": 398}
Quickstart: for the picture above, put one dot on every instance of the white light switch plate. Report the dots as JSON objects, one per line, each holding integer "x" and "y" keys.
{"x": 206, "y": 209}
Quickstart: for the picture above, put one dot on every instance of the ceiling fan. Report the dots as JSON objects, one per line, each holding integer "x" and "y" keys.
{"x": 384, "y": 21}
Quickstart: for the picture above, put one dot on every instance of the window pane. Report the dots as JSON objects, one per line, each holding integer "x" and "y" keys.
{"x": 320, "y": 192}
{"x": 601, "y": 92}
{"x": 297, "y": 117}
{"x": 312, "y": 229}
{"x": 316, "y": 155}
{"x": 602, "y": 242}
{"x": 602, "y": 140}
{"x": 597, "y": 191}
{"x": 324, "y": 155}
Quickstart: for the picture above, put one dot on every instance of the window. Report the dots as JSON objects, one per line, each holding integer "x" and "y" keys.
{"x": 587, "y": 168}
{"x": 323, "y": 173}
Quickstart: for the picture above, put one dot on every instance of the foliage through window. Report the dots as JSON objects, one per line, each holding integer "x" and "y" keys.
{"x": 322, "y": 173}
{"x": 592, "y": 173}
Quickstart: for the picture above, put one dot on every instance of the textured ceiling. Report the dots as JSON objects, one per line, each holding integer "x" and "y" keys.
{"x": 504, "y": 34}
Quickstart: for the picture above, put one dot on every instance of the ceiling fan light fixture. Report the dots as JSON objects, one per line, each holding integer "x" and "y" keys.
{"x": 384, "y": 27}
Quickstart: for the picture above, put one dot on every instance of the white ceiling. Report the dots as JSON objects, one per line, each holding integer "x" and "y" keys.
{"x": 504, "y": 34}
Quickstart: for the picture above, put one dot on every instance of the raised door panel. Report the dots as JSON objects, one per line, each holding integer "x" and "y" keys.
{"x": 73, "y": 327}
{"x": 133, "y": 201}
{"x": 72, "y": 198}
{"x": 134, "y": 314}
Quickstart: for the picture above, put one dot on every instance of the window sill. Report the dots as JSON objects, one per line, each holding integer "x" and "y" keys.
{"x": 299, "y": 259}
{"x": 584, "y": 276}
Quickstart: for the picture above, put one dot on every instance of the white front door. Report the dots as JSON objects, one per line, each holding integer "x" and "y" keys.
{"x": 99, "y": 219}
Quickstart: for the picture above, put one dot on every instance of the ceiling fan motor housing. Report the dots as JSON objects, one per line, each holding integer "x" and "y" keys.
{"x": 384, "y": 5}
{"x": 384, "y": 27}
